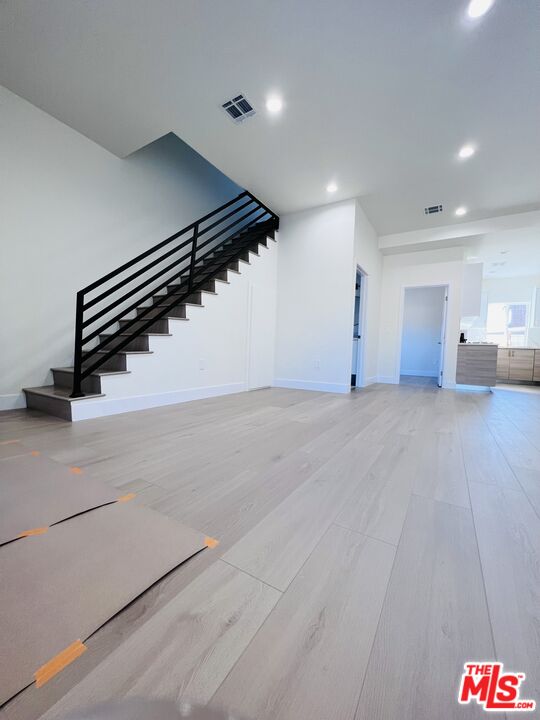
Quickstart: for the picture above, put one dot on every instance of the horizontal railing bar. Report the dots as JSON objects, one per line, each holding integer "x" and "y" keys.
{"x": 145, "y": 254}
{"x": 225, "y": 217}
{"x": 228, "y": 227}
{"x": 213, "y": 249}
{"x": 223, "y": 207}
{"x": 270, "y": 212}
{"x": 111, "y": 321}
{"x": 134, "y": 275}
{"x": 134, "y": 290}
{"x": 88, "y": 371}
{"x": 117, "y": 301}
{"x": 140, "y": 271}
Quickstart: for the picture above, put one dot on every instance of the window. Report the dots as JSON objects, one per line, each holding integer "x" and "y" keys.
{"x": 507, "y": 324}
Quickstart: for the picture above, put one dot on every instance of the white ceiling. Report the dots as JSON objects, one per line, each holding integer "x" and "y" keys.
{"x": 514, "y": 253}
{"x": 379, "y": 95}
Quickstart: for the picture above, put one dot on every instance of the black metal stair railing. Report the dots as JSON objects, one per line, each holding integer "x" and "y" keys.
{"x": 186, "y": 265}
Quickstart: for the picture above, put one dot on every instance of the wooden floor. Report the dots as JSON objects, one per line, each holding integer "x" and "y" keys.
{"x": 369, "y": 545}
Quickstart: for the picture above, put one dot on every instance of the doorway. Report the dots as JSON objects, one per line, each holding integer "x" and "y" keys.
{"x": 357, "y": 369}
{"x": 423, "y": 335}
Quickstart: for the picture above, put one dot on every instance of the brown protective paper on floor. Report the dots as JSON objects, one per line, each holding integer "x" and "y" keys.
{"x": 37, "y": 492}
{"x": 62, "y": 586}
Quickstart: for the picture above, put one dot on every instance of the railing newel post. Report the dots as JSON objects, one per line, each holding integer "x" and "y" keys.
{"x": 76, "y": 390}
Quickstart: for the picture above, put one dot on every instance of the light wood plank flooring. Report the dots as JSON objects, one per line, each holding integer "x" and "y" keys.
{"x": 369, "y": 545}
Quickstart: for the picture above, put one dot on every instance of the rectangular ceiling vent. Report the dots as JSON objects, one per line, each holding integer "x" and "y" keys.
{"x": 239, "y": 109}
{"x": 432, "y": 209}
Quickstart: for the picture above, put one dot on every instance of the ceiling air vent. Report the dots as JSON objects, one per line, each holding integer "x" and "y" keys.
{"x": 432, "y": 209}
{"x": 238, "y": 108}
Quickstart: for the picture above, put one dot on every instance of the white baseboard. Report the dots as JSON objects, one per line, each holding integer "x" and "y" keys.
{"x": 12, "y": 402}
{"x": 309, "y": 385}
{"x": 469, "y": 388}
{"x": 87, "y": 409}
{"x": 370, "y": 380}
{"x": 388, "y": 379}
{"x": 420, "y": 373}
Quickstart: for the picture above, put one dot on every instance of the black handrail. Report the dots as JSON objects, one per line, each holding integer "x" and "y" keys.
{"x": 191, "y": 269}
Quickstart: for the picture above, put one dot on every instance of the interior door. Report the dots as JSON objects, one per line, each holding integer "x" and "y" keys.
{"x": 442, "y": 339}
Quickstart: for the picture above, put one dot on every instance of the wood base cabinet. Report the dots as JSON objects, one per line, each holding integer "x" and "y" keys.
{"x": 516, "y": 364}
{"x": 536, "y": 370}
{"x": 503, "y": 364}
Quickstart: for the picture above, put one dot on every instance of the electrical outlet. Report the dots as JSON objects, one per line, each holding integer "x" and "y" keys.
{"x": 317, "y": 364}
{"x": 202, "y": 365}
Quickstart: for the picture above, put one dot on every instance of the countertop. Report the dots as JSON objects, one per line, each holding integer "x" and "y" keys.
{"x": 501, "y": 347}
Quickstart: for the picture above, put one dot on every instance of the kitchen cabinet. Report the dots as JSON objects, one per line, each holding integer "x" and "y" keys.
{"x": 515, "y": 364}
{"x": 503, "y": 364}
{"x": 476, "y": 364}
{"x": 536, "y": 370}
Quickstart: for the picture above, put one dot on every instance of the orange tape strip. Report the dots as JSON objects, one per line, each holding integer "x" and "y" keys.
{"x": 126, "y": 498}
{"x": 33, "y": 531}
{"x": 211, "y": 542}
{"x": 35, "y": 453}
{"x": 59, "y": 662}
{"x": 75, "y": 470}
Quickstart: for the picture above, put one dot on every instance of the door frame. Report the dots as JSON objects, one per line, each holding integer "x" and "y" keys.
{"x": 442, "y": 359}
{"x": 359, "y": 369}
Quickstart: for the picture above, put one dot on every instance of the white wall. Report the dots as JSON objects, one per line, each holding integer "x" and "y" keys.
{"x": 435, "y": 267}
{"x": 69, "y": 212}
{"x": 422, "y": 323}
{"x": 316, "y": 275}
{"x": 471, "y": 295}
{"x": 368, "y": 257}
{"x": 226, "y": 346}
{"x": 508, "y": 290}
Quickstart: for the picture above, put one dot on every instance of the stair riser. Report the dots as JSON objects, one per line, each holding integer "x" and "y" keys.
{"x": 90, "y": 384}
{"x": 179, "y": 312}
{"x": 49, "y": 405}
{"x": 194, "y": 298}
{"x": 116, "y": 362}
{"x": 159, "y": 326}
{"x": 137, "y": 343}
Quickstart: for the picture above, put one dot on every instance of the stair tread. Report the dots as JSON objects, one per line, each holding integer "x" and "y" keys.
{"x": 182, "y": 303}
{"x": 138, "y": 335}
{"x": 126, "y": 352}
{"x": 94, "y": 372}
{"x": 60, "y": 393}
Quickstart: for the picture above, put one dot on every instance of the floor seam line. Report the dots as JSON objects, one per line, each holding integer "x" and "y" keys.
{"x": 508, "y": 461}
{"x": 254, "y": 577}
{"x": 478, "y": 548}
{"x": 363, "y": 534}
{"x": 368, "y": 663}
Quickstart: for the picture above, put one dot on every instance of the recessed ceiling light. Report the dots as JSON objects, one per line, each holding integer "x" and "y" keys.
{"x": 461, "y": 211}
{"x": 504, "y": 252}
{"x": 274, "y": 104}
{"x": 331, "y": 187}
{"x": 466, "y": 151}
{"x": 477, "y": 8}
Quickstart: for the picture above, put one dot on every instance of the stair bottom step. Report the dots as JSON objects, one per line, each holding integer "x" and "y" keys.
{"x": 54, "y": 400}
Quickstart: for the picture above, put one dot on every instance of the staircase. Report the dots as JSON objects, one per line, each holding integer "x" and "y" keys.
{"x": 117, "y": 315}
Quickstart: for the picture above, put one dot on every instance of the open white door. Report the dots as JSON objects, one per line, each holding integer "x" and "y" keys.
{"x": 443, "y": 339}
